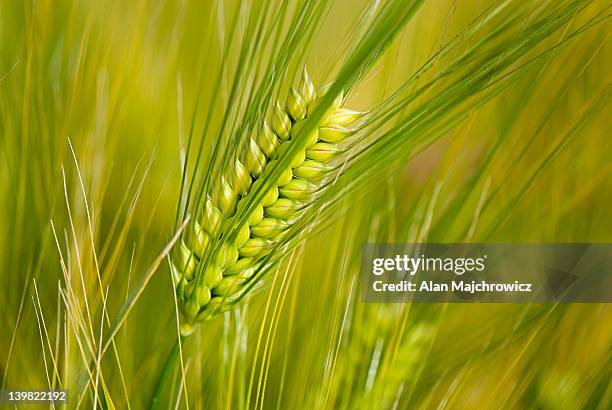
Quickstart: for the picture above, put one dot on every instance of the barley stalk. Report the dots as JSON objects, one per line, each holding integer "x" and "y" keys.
{"x": 229, "y": 262}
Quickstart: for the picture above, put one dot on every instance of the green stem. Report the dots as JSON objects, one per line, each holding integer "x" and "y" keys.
{"x": 166, "y": 372}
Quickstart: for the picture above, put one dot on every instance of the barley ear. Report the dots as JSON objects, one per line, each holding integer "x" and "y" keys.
{"x": 214, "y": 268}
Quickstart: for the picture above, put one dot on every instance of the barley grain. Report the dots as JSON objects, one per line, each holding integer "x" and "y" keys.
{"x": 236, "y": 258}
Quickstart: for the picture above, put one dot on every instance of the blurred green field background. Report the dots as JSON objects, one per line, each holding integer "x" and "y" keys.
{"x": 97, "y": 98}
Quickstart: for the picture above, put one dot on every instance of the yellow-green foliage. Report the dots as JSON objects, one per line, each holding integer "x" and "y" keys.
{"x": 130, "y": 131}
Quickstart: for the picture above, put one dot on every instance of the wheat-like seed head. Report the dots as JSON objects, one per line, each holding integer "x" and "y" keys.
{"x": 403, "y": 370}
{"x": 235, "y": 259}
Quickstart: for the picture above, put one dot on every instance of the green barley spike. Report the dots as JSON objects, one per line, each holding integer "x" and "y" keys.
{"x": 236, "y": 258}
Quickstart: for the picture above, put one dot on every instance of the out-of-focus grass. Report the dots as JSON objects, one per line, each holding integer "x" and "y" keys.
{"x": 118, "y": 82}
